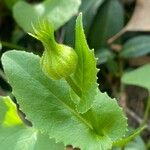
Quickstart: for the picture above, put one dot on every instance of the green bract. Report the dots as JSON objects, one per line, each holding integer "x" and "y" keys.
{"x": 58, "y": 60}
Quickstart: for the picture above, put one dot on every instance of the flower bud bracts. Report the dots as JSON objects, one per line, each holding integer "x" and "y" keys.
{"x": 58, "y": 60}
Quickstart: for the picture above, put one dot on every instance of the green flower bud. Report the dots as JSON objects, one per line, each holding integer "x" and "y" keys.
{"x": 58, "y": 60}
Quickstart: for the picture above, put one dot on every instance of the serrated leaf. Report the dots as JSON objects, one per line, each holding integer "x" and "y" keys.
{"x": 85, "y": 74}
{"x": 16, "y": 136}
{"x": 108, "y": 21}
{"x": 139, "y": 77}
{"x": 135, "y": 47}
{"x": 56, "y": 11}
{"x": 47, "y": 103}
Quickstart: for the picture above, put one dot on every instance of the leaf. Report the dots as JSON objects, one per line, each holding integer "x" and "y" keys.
{"x": 103, "y": 55}
{"x": 92, "y": 7}
{"x": 131, "y": 136}
{"x": 47, "y": 103}
{"x": 57, "y": 12}
{"x": 135, "y": 47}
{"x": 11, "y": 3}
{"x": 0, "y": 46}
{"x": 132, "y": 141}
{"x": 3, "y": 110}
{"x": 139, "y": 77}
{"x": 112, "y": 67}
{"x": 9, "y": 113}
{"x": 85, "y": 74}
{"x": 85, "y": 7}
{"x": 137, "y": 144}
{"x": 16, "y": 136}
{"x": 108, "y": 21}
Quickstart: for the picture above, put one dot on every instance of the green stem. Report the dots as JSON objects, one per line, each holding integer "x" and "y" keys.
{"x": 126, "y": 140}
{"x": 74, "y": 86}
{"x": 146, "y": 113}
{"x": 11, "y": 45}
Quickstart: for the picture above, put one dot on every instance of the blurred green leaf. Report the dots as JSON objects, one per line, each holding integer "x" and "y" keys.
{"x": 137, "y": 144}
{"x": 3, "y": 109}
{"x": 112, "y": 66}
{"x": 56, "y": 11}
{"x": 11, "y": 3}
{"x": 108, "y": 21}
{"x": 86, "y": 7}
{"x": 14, "y": 135}
{"x": 103, "y": 55}
{"x": 135, "y": 47}
{"x": 132, "y": 141}
{"x": 139, "y": 77}
{"x": 0, "y": 46}
{"x": 92, "y": 7}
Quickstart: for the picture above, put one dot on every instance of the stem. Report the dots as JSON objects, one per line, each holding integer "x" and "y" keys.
{"x": 11, "y": 45}
{"x": 74, "y": 86}
{"x": 146, "y": 113}
{"x": 126, "y": 140}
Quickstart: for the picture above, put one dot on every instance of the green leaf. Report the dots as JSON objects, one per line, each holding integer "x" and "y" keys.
{"x": 137, "y": 144}
{"x": 9, "y": 113}
{"x": 11, "y": 3}
{"x": 56, "y": 11}
{"x": 47, "y": 103}
{"x": 0, "y": 46}
{"x": 3, "y": 109}
{"x": 104, "y": 55}
{"x": 113, "y": 67}
{"x": 16, "y": 136}
{"x": 139, "y": 77}
{"x": 135, "y": 47}
{"x": 85, "y": 7}
{"x": 108, "y": 21}
{"x": 85, "y": 74}
{"x": 130, "y": 137}
{"x": 132, "y": 141}
{"x": 92, "y": 7}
